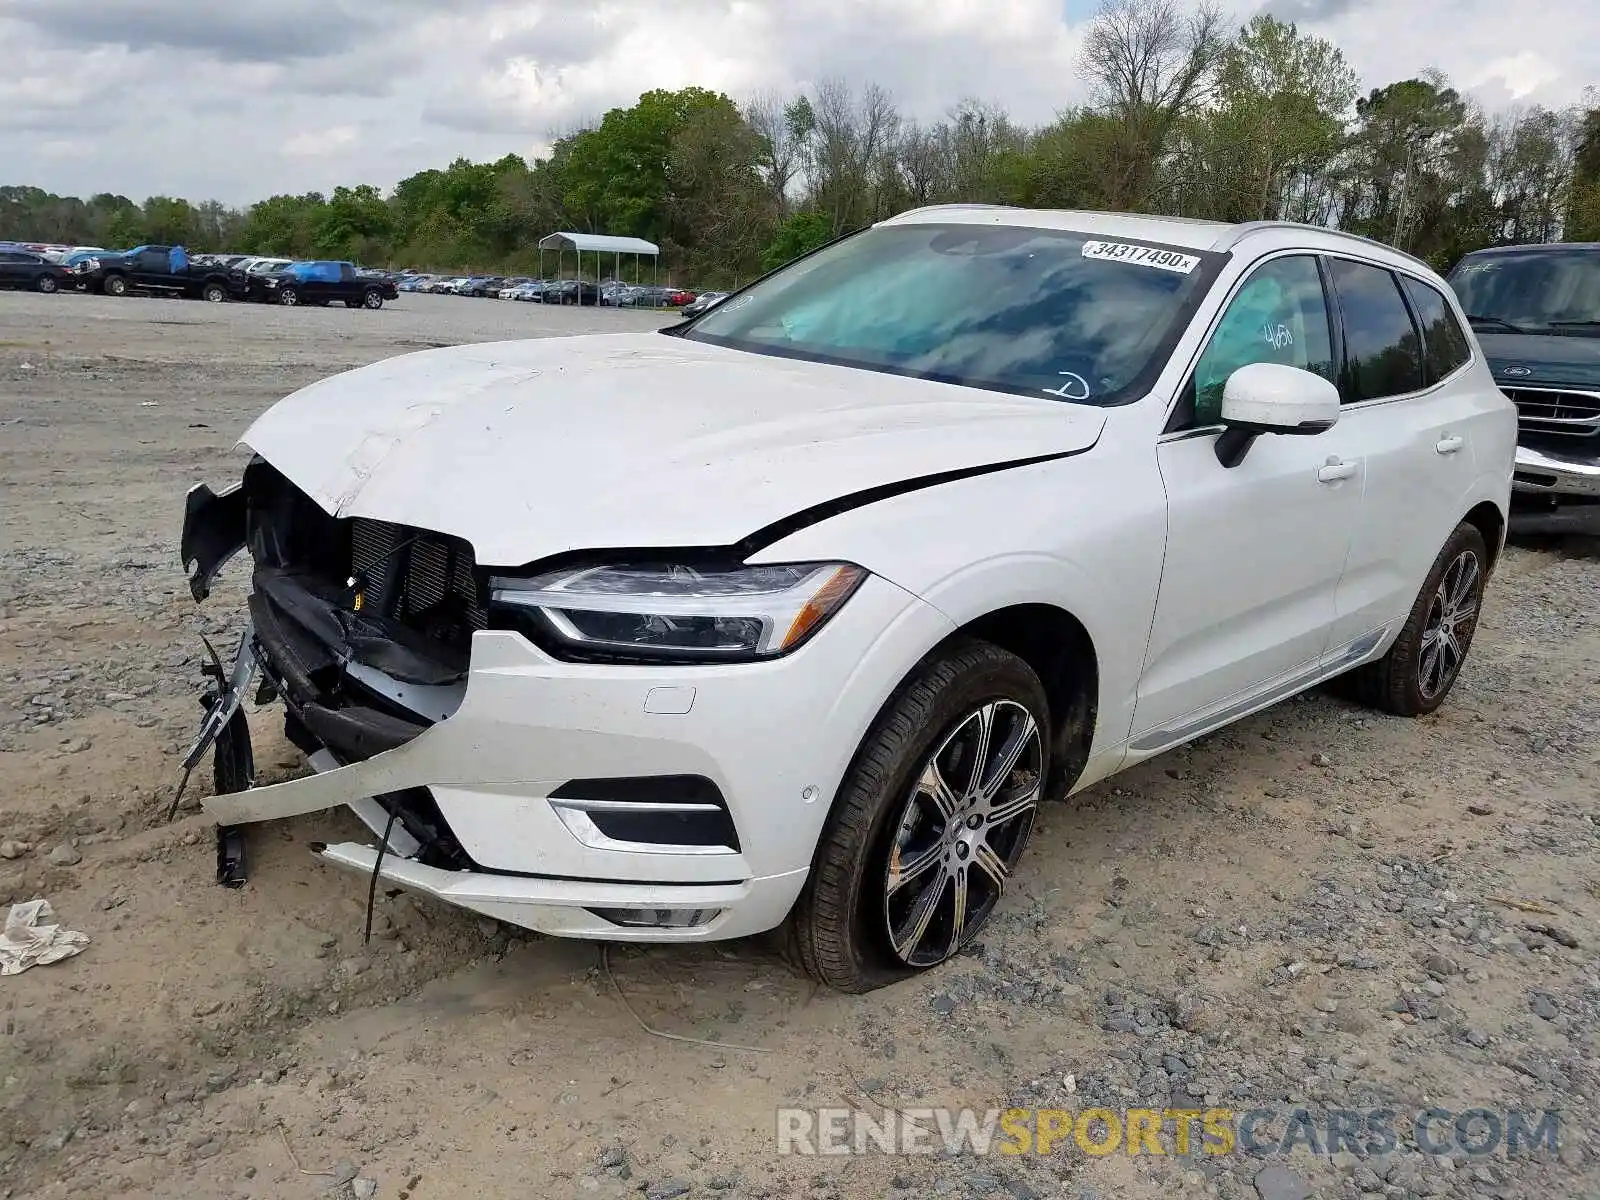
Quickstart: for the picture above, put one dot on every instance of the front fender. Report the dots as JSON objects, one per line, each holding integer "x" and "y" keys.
{"x": 1085, "y": 534}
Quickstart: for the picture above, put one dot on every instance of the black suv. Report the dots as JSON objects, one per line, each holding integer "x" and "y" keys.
{"x": 24, "y": 269}
{"x": 1536, "y": 311}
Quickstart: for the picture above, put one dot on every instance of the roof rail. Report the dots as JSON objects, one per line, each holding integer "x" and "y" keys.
{"x": 1239, "y": 232}
{"x": 922, "y": 208}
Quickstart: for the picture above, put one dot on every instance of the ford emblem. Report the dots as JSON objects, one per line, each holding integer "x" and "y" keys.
{"x": 1517, "y": 372}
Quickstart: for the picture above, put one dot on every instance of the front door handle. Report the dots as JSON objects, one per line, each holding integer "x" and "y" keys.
{"x": 1334, "y": 470}
{"x": 1450, "y": 443}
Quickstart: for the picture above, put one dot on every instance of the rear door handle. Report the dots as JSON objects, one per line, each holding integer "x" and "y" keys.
{"x": 1450, "y": 443}
{"x": 1334, "y": 470}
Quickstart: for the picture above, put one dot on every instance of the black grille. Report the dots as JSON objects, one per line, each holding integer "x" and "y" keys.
{"x": 1555, "y": 415}
{"x": 425, "y": 580}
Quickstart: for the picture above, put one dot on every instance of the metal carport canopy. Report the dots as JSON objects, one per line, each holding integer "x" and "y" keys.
{"x": 597, "y": 243}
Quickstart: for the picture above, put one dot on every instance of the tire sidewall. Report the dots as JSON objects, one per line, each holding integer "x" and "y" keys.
{"x": 115, "y": 285}
{"x": 288, "y": 297}
{"x": 213, "y": 293}
{"x": 999, "y": 676}
{"x": 48, "y": 285}
{"x": 1465, "y": 537}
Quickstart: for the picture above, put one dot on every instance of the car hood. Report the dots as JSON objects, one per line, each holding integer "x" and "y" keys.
{"x": 1547, "y": 360}
{"x": 531, "y": 448}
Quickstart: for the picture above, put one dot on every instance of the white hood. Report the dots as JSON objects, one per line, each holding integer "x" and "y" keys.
{"x": 530, "y": 448}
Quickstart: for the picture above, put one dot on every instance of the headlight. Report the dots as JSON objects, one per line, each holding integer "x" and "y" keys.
{"x": 88, "y": 264}
{"x": 674, "y": 611}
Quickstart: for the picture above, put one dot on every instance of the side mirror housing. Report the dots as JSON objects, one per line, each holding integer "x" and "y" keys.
{"x": 1272, "y": 398}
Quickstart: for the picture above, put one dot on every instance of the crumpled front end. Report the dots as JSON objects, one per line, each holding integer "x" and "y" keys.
{"x": 582, "y": 798}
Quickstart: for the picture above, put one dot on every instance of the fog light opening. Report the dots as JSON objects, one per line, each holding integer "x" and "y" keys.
{"x": 658, "y": 918}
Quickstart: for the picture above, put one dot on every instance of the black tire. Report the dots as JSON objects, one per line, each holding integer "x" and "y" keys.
{"x": 1402, "y": 681}
{"x": 47, "y": 284}
{"x": 213, "y": 293}
{"x": 373, "y": 300}
{"x": 352, "y": 304}
{"x": 114, "y": 285}
{"x": 839, "y": 930}
{"x": 232, "y": 762}
{"x": 288, "y": 296}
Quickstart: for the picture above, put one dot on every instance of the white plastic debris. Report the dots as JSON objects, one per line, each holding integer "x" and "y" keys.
{"x": 29, "y": 942}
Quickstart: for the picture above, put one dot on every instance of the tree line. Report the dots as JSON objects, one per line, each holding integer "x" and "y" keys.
{"x": 1182, "y": 116}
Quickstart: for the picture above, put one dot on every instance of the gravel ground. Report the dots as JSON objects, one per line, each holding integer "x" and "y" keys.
{"x": 1319, "y": 908}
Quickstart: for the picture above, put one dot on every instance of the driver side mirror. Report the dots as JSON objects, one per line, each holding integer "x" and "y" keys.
{"x": 1272, "y": 398}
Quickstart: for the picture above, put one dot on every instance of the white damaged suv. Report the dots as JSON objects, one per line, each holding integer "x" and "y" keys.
{"x": 795, "y": 612}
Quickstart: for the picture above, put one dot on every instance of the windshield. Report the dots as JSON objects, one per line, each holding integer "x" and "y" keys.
{"x": 1034, "y": 311}
{"x": 1544, "y": 291}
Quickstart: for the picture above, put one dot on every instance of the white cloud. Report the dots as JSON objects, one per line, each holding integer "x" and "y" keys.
{"x": 319, "y": 143}
{"x": 1522, "y": 75}
{"x": 347, "y": 91}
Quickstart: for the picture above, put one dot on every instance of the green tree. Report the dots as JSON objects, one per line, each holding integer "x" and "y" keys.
{"x": 617, "y": 175}
{"x": 1583, "y": 202}
{"x": 800, "y": 234}
{"x": 1263, "y": 149}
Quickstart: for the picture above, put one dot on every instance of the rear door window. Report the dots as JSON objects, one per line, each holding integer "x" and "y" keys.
{"x": 1382, "y": 351}
{"x": 1444, "y": 342}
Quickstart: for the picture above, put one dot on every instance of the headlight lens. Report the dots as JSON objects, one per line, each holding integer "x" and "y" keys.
{"x": 674, "y": 611}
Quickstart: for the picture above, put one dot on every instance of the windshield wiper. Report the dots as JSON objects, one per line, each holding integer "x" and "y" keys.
{"x": 1496, "y": 322}
{"x": 1574, "y": 324}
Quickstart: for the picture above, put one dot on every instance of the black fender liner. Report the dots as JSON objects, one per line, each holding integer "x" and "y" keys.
{"x": 213, "y": 532}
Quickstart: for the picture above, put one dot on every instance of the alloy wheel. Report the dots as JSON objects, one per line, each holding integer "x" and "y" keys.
{"x": 1452, "y": 616}
{"x": 960, "y": 832}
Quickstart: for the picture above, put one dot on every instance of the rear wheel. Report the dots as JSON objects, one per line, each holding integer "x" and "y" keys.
{"x": 114, "y": 285}
{"x": 1419, "y": 670}
{"x": 929, "y": 824}
{"x": 47, "y": 284}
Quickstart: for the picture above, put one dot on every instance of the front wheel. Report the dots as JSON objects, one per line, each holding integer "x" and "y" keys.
{"x": 114, "y": 285}
{"x": 288, "y": 297}
{"x": 214, "y": 293}
{"x": 47, "y": 284}
{"x": 929, "y": 823}
{"x": 373, "y": 300}
{"x": 1419, "y": 670}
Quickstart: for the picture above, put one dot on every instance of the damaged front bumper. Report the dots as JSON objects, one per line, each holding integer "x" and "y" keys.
{"x": 593, "y": 800}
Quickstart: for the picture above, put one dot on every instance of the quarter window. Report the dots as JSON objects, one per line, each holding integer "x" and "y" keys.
{"x": 1446, "y": 344}
{"x": 1278, "y": 316}
{"x": 1382, "y": 353}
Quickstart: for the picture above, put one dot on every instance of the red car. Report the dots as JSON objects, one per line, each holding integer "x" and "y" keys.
{"x": 678, "y": 298}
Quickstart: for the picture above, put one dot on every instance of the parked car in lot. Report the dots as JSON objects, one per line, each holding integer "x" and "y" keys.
{"x": 1536, "y": 311}
{"x": 968, "y": 511}
{"x": 24, "y": 269}
{"x": 569, "y": 291}
{"x": 160, "y": 269}
{"x": 321, "y": 283}
{"x": 702, "y": 302}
